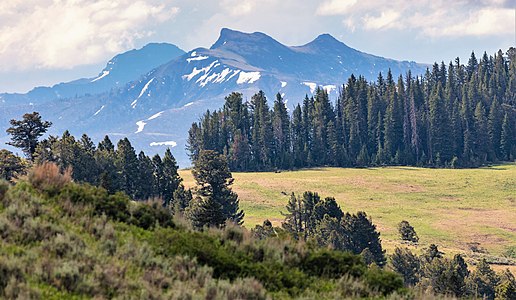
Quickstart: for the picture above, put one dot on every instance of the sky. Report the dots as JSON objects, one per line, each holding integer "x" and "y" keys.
{"x": 44, "y": 42}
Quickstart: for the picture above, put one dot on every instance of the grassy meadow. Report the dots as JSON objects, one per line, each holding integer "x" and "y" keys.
{"x": 455, "y": 208}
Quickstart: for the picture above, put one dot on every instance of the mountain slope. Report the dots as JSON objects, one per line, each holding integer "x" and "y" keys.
{"x": 120, "y": 70}
{"x": 156, "y": 109}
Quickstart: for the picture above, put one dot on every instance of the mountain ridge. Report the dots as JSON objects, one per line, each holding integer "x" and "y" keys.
{"x": 157, "y": 106}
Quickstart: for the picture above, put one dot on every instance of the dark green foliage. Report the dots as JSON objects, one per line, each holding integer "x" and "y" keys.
{"x": 407, "y": 264}
{"x": 452, "y": 116}
{"x": 431, "y": 253}
{"x": 147, "y": 215}
{"x": 118, "y": 169}
{"x": 114, "y": 206}
{"x": 26, "y": 132}
{"x": 445, "y": 276}
{"x": 506, "y": 288}
{"x": 483, "y": 281}
{"x": 11, "y": 166}
{"x": 362, "y": 234}
{"x": 383, "y": 282}
{"x": 332, "y": 264}
{"x": 126, "y": 162}
{"x": 324, "y": 222}
{"x": 264, "y": 231}
{"x": 215, "y": 203}
{"x": 181, "y": 199}
{"x": 407, "y": 232}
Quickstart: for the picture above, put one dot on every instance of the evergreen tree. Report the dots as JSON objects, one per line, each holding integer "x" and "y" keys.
{"x": 482, "y": 136}
{"x": 407, "y": 232}
{"x": 407, "y": 264}
{"x": 26, "y": 132}
{"x": 127, "y": 165}
{"x": 145, "y": 181}
{"x": 171, "y": 178}
{"x": 11, "y": 165}
{"x": 362, "y": 234}
{"x": 215, "y": 203}
{"x": 293, "y": 222}
{"x": 182, "y": 199}
{"x": 281, "y": 133}
{"x": 506, "y": 139}
{"x": 482, "y": 281}
{"x": 494, "y": 126}
{"x": 298, "y": 143}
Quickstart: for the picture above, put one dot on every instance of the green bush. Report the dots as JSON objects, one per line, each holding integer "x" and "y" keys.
{"x": 146, "y": 215}
{"x": 332, "y": 264}
{"x": 115, "y": 207}
{"x": 384, "y": 282}
{"x": 9, "y": 269}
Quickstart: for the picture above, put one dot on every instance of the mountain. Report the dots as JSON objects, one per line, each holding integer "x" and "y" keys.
{"x": 120, "y": 70}
{"x": 157, "y": 108}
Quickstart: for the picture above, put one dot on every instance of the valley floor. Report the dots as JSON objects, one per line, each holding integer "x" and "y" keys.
{"x": 471, "y": 211}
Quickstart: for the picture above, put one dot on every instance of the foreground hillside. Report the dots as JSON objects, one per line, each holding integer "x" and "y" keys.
{"x": 62, "y": 240}
{"x": 459, "y": 209}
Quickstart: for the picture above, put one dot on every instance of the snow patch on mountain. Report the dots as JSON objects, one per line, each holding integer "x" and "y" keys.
{"x": 248, "y": 77}
{"x": 329, "y": 88}
{"x": 140, "y": 125}
{"x": 311, "y": 85}
{"x": 104, "y": 74}
{"x": 200, "y": 57}
{"x": 154, "y": 116}
{"x": 196, "y": 72}
{"x": 145, "y": 87}
{"x": 166, "y": 143}
{"x": 98, "y": 111}
{"x": 188, "y": 104}
{"x": 222, "y": 75}
{"x": 283, "y": 84}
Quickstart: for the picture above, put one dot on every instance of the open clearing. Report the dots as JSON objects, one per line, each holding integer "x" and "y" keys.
{"x": 453, "y": 208}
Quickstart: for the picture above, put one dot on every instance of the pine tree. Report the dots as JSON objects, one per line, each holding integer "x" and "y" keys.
{"x": 171, "y": 178}
{"x": 482, "y": 136}
{"x": 127, "y": 165}
{"x": 26, "y": 132}
{"x": 362, "y": 234}
{"x": 10, "y": 165}
{"x": 494, "y": 125}
{"x": 145, "y": 181}
{"x": 281, "y": 133}
{"x": 215, "y": 203}
{"x": 482, "y": 282}
{"x": 298, "y": 143}
{"x": 407, "y": 264}
{"x": 506, "y": 139}
{"x": 293, "y": 223}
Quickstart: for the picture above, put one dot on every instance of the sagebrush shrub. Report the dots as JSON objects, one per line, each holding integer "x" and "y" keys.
{"x": 4, "y": 187}
{"x": 47, "y": 177}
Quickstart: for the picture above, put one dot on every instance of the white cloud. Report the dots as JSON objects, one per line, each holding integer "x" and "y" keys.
{"x": 49, "y": 34}
{"x": 335, "y": 7}
{"x": 239, "y": 7}
{"x": 432, "y": 18}
{"x": 387, "y": 19}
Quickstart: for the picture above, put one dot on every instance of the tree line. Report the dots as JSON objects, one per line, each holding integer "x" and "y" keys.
{"x": 452, "y": 116}
{"x": 119, "y": 169}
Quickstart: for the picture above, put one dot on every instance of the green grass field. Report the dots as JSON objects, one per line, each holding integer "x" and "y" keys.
{"x": 449, "y": 207}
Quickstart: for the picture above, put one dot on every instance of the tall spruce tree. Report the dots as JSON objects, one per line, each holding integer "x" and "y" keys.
{"x": 215, "y": 203}
{"x": 127, "y": 165}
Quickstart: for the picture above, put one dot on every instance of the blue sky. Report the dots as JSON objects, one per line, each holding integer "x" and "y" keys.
{"x": 43, "y": 42}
